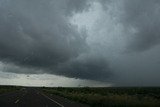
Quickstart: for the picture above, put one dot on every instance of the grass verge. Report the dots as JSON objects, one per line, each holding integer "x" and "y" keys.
{"x": 5, "y": 89}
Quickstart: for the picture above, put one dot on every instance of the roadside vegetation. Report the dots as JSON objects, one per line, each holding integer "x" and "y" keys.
{"x": 5, "y": 89}
{"x": 110, "y": 97}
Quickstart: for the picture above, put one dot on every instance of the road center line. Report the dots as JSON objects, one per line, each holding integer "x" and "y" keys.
{"x": 52, "y": 100}
{"x": 16, "y": 101}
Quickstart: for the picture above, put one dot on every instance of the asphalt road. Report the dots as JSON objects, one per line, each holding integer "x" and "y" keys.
{"x": 31, "y": 97}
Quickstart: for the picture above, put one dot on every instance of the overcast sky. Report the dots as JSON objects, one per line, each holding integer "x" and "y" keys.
{"x": 80, "y": 42}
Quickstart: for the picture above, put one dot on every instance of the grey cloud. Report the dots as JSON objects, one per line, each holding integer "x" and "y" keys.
{"x": 36, "y": 37}
{"x": 87, "y": 66}
{"x": 74, "y": 6}
{"x": 140, "y": 19}
{"x": 143, "y": 17}
{"x": 129, "y": 26}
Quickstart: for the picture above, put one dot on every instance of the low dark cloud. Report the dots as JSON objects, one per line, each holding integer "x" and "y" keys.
{"x": 87, "y": 67}
{"x": 37, "y": 35}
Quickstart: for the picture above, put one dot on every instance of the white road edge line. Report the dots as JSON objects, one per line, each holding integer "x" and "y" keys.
{"x": 52, "y": 100}
{"x": 16, "y": 101}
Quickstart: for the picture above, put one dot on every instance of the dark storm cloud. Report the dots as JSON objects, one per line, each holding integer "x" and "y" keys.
{"x": 34, "y": 35}
{"x": 140, "y": 18}
{"x": 87, "y": 67}
{"x": 28, "y": 34}
{"x": 37, "y": 35}
{"x": 135, "y": 38}
{"x": 144, "y": 17}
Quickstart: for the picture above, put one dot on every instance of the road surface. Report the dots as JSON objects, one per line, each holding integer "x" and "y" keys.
{"x": 31, "y": 97}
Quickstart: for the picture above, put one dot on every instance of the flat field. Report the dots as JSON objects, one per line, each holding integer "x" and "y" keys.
{"x": 110, "y": 97}
{"x": 6, "y": 89}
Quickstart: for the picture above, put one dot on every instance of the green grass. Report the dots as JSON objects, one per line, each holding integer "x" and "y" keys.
{"x": 111, "y": 97}
{"x": 6, "y": 89}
